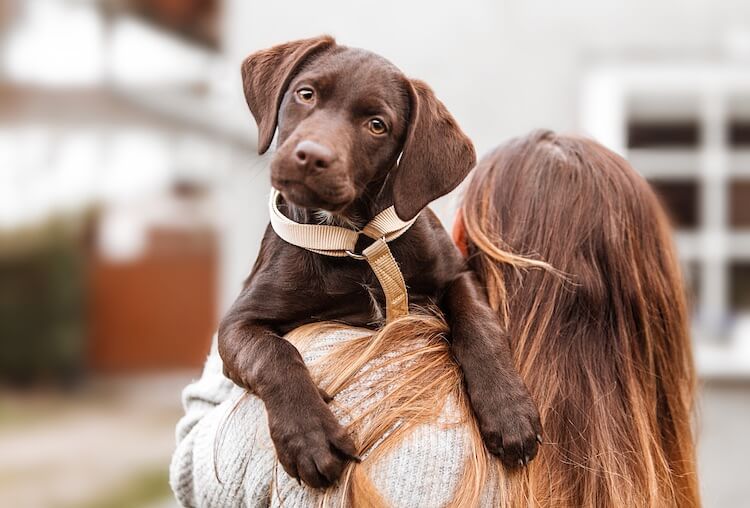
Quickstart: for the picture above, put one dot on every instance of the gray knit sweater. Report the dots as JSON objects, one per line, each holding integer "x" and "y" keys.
{"x": 241, "y": 469}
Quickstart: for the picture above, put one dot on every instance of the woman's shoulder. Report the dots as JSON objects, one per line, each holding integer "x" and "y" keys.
{"x": 417, "y": 459}
{"x": 405, "y": 398}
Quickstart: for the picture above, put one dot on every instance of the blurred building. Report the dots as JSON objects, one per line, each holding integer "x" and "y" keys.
{"x": 123, "y": 160}
{"x": 111, "y": 125}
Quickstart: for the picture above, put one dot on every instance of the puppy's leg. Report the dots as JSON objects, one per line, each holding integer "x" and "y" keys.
{"x": 310, "y": 443}
{"x": 508, "y": 419}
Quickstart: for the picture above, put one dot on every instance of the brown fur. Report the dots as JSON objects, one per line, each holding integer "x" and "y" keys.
{"x": 328, "y": 160}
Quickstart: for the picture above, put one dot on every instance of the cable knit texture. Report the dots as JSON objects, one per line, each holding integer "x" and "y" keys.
{"x": 225, "y": 457}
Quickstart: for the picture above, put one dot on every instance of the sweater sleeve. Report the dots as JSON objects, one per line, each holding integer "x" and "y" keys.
{"x": 209, "y": 404}
{"x": 203, "y": 395}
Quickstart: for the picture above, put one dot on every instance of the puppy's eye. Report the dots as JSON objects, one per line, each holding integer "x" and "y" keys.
{"x": 377, "y": 126}
{"x": 305, "y": 94}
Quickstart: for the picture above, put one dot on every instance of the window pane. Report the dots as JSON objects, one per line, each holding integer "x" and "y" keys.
{"x": 681, "y": 199}
{"x": 739, "y": 133}
{"x": 739, "y": 203}
{"x": 738, "y": 128}
{"x": 739, "y": 281}
{"x": 663, "y": 134}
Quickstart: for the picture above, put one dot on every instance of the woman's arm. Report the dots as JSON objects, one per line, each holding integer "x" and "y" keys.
{"x": 195, "y": 477}
{"x": 203, "y": 395}
{"x": 199, "y": 398}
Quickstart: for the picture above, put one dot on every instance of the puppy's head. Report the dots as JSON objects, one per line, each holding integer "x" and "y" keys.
{"x": 344, "y": 116}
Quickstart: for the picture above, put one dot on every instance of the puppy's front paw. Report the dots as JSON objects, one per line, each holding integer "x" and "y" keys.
{"x": 311, "y": 445}
{"x": 511, "y": 428}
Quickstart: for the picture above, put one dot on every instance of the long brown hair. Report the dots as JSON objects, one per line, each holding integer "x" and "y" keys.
{"x": 605, "y": 349}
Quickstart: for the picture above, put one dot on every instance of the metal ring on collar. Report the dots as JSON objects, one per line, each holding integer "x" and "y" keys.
{"x": 354, "y": 255}
{"x": 360, "y": 257}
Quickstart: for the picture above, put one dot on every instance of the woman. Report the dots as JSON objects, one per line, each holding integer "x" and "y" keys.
{"x": 600, "y": 334}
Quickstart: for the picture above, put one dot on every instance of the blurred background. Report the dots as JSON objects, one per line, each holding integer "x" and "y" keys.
{"x": 132, "y": 199}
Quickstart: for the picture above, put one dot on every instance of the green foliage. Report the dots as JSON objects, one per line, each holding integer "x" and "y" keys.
{"x": 42, "y": 312}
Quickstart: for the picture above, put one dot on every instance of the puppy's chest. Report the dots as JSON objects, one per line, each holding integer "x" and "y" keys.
{"x": 359, "y": 297}
{"x": 357, "y": 284}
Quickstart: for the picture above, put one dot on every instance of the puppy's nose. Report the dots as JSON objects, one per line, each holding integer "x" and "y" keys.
{"x": 313, "y": 156}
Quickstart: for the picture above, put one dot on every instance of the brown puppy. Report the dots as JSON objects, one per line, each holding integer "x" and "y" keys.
{"x": 344, "y": 116}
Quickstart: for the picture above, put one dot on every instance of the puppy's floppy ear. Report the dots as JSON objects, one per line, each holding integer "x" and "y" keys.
{"x": 436, "y": 157}
{"x": 266, "y": 76}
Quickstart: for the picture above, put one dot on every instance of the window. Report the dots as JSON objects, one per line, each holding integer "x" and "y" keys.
{"x": 739, "y": 133}
{"x": 739, "y": 203}
{"x": 681, "y": 199}
{"x": 663, "y": 133}
{"x": 739, "y": 286}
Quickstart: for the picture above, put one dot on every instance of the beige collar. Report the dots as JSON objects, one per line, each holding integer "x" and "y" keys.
{"x": 339, "y": 241}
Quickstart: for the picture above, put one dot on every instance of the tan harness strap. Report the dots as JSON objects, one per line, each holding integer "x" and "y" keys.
{"x": 391, "y": 279}
{"x": 339, "y": 242}
{"x": 387, "y": 225}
